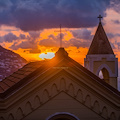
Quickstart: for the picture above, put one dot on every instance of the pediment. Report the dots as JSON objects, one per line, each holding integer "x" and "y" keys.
{"x": 63, "y": 103}
{"x": 65, "y": 87}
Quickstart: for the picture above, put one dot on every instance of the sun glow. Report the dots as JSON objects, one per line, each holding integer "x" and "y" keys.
{"x": 47, "y": 55}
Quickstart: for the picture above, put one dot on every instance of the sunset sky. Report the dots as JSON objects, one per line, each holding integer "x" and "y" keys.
{"x": 28, "y": 26}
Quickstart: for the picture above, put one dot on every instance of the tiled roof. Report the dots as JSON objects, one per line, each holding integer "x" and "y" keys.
{"x": 24, "y": 75}
{"x": 18, "y": 75}
{"x": 100, "y": 43}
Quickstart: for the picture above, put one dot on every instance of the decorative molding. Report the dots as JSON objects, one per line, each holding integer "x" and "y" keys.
{"x": 96, "y": 107}
{"x": 11, "y": 117}
{"x": 105, "y": 112}
{"x": 49, "y": 92}
{"x": 37, "y": 101}
{"x": 112, "y": 116}
{"x": 19, "y": 114}
{"x": 28, "y": 108}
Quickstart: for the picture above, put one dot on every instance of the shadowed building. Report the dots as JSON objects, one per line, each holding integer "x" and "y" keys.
{"x": 57, "y": 89}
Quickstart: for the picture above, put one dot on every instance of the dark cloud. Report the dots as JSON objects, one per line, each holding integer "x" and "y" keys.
{"x": 22, "y": 36}
{"x": 10, "y": 37}
{"x": 32, "y": 48}
{"x": 82, "y": 34}
{"x": 52, "y": 41}
{"x": 39, "y": 14}
{"x": 34, "y": 34}
{"x": 116, "y": 21}
{"x": 115, "y": 4}
{"x": 111, "y": 35}
{"x": 24, "y": 45}
{"x": 27, "y": 42}
{"x": 5, "y": 5}
{"x": 78, "y": 43}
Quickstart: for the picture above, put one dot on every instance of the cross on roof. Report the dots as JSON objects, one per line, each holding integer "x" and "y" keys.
{"x": 100, "y": 17}
{"x": 60, "y": 35}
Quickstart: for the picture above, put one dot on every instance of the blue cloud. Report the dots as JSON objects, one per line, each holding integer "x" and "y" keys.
{"x": 39, "y": 14}
{"x": 10, "y": 37}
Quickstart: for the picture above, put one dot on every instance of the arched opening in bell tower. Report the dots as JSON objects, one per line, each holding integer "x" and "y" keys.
{"x": 104, "y": 74}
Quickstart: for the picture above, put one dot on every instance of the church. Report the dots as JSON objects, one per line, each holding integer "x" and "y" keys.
{"x": 62, "y": 89}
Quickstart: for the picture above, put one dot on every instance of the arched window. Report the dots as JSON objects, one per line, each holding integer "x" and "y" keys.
{"x": 62, "y": 116}
{"x": 104, "y": 74}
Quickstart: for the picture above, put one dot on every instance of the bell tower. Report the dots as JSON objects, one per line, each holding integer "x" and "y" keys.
{"x": 101, "y": 59}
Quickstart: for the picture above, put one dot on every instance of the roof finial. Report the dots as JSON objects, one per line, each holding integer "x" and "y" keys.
{"x": 100, "y": 17}
{"x": 60, "y": 35}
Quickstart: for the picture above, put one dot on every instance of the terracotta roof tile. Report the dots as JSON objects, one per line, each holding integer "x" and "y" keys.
{"x": 21, "y": 72}
{"x": 3, "y": 85}
{"x": 14, "y": 79}
{"x": 1, "y": 89}
{"x": 11, "y": 78}
{"x": 8, "y": 82}
{"x": 27, "y": 73}
{"x": 19, "y": 75}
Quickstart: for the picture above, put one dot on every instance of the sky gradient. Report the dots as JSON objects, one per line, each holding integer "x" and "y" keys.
{"x": 28, "y": 26}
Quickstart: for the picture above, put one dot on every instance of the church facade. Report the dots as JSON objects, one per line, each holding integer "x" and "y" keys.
{"x": 60, "y": 89}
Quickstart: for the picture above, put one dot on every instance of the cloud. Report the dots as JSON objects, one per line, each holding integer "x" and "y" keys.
{"x": 10, "y": 37}
{"x": 115, "y": 4}
{"x": 22, "y": 36}
{"x": 117, "y": 45}
{"x": 114, "y": 40}
{"x": 78, "y": 43}
{"x": 34, "y": 34}
{"x": 52, "y": 41}
{"x": 33, "y": 15}
{"x": 5, "y": 5}
{"x": 79, "y": 39}
{"x": 82, "y": 34}
{"x": 28, "y": 42}
{"x": 116, "y": 21}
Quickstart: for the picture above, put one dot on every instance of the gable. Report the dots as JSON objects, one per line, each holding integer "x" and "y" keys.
{"x": 63, "y": 103}
{"x": 65, "y": 87}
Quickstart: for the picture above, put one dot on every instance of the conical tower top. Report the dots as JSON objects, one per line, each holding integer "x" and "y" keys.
{"x": 100, "y": 43}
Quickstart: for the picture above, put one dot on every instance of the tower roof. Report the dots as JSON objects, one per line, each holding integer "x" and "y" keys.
{"x": 100, "y": 43}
